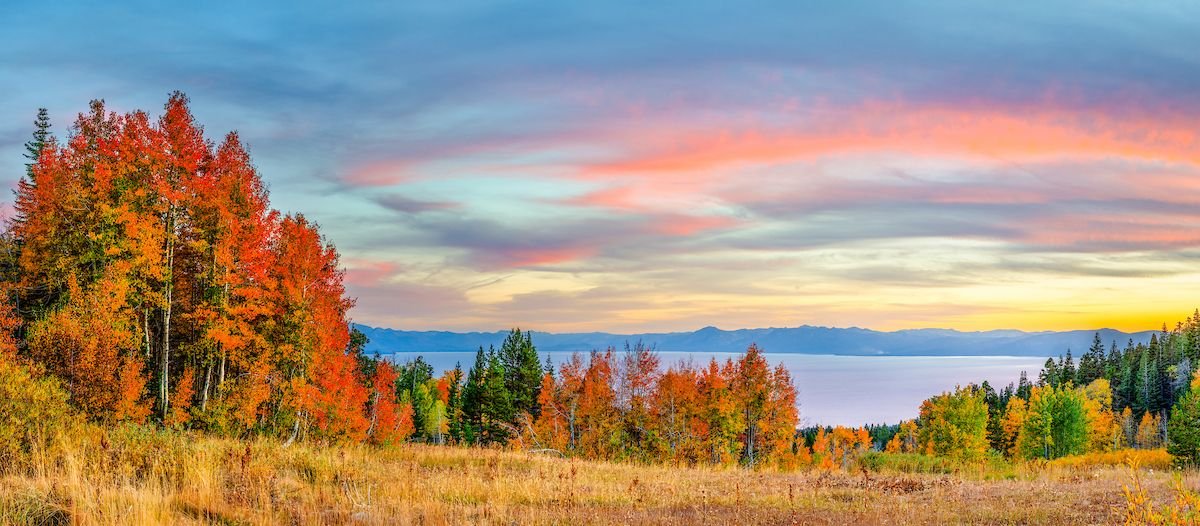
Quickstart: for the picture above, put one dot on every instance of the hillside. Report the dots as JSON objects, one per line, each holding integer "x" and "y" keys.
{"x": 804, "y": 340}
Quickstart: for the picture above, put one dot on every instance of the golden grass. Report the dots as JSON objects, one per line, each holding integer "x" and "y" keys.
{"x": 1143, "y": 458}
{"x": 142, "y": 476}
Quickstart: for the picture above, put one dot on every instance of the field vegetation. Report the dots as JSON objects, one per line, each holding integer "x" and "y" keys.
{"x": 134, "y": 474}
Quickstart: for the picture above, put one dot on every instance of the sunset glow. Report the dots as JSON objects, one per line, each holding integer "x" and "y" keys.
{"x": 737, "y": 169}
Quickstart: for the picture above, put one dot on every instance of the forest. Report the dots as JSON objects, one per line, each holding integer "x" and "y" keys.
{"x": 150, "y": 289}
{"x": 149, "y": 281}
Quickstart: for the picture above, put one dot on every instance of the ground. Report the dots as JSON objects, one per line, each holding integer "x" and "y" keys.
{"x": 148, "y": 477}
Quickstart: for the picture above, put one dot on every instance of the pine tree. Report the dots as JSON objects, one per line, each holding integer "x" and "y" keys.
{"x": 454, "y": 406}
{"x": 1149, "y": 384}
{"x": 1066, "y": 370}
{"x": 522, "y": 372}
{"x": 1092, "y": 364}
{"x": 33, "y": 148}
{"x": 1112, "y": 365}
{"x": 472, "y": 399}
{"x": 1024, "y": 387}
{"x": 1050, "y": 373}
{"x": 1183, "y": 429}
{"x": 496, "y": 407}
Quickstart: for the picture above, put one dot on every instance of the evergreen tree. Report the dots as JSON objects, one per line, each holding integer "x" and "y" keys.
{"x": 1125, "y": 395}
{"x": 496, "y": 407}
{"x": 472, "y": 399}
{"x": 522, "y": 372}
{"x": 1092, "y": 364}
{"x": 1112, "y": 365}
{"x": 1049, "y": 375}
{"x": 41, "y": 134}
{"x": 1066, "y": 370}
{"x": 454, "y": 407}
{"x": 1183, "y": 429}
{"x": 1149, "y": 383}
{"x": 1024, "y": 387}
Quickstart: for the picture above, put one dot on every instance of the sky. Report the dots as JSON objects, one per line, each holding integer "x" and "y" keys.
{"x": 654, "y": 166}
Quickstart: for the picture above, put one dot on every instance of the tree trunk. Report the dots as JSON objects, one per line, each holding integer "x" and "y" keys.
{"x": 166, "y": 320}
{"x": 207, "y": 384}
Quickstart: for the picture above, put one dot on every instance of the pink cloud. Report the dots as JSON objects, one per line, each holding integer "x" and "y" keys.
{"x": 679, "y": 225}
{"x": 367, "y": 273}
{"x": 933, "y": 131}
{"x": 379, "y": 173}
{"x": 531, "y": 257}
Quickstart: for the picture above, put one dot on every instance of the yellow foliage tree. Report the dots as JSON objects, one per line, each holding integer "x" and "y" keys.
{"x": 1103, "y": 431}
{"x": 1149, "y": 431}
{"x": 1014, "y": 419}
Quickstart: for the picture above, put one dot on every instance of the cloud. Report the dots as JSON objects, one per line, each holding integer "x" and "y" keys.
{"x": 406, "y": 205}
{"x": 628, "y": 164}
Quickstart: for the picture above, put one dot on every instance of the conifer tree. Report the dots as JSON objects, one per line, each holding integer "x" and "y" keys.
{"x": 472, "y": 399}
{"x": 33, "y": 148}
{"x": 1091, "y": 365}
{"x": 1024, "y": 387}
{"x": 522, "y": 372}
{"x": 1066, "y": 370}
{"x": 495, "y": 404}
{"x": 1183, "y": 429}
{"x": 1050, "y": 374}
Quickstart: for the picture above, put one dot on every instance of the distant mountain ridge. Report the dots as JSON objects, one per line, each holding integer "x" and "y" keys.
{"x": 852, "y": 341}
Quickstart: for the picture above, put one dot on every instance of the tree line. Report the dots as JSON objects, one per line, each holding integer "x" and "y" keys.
{"x": 1141, "y": 396}
{"x": 615, "y": 405}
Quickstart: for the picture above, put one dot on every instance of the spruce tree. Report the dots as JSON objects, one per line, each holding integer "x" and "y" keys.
{"x": 496, "y": 405}
{"x": 1049, "y": 375}
{"x": 1066, "y": 370}
{"x": 1091, "y": 365}
{"x": 522, "y": 371}
{"x": 1183, "y": 429}
{"x": 41, "y": 134}
{"x": 472, "y": 399}
{"x": 1112, "y": 365}
{"x": 1149, "y": 384}
{"x": 454, "y": 403}
{"x": 1024, "y": 387}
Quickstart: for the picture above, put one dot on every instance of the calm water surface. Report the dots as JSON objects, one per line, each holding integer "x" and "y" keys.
{"x": 848, "y": 390}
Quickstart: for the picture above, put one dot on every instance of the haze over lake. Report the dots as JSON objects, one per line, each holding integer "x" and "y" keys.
{"x": 833, "y": 390}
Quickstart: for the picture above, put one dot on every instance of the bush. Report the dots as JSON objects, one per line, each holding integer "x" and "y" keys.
{"x": 1142, "y": 458}
{"x": 32, "y": 411}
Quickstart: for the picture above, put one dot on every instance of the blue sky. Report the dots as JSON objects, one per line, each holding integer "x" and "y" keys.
{"x": 630, "y": 166}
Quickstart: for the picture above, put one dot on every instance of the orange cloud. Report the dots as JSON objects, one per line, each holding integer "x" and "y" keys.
{"x": 381, "y": 173}
{"x": 367, "y": 273}
{"x": 998, "y": 135}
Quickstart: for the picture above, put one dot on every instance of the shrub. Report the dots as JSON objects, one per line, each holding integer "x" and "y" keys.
{"x": 32, "y": 411}
{"x": 1143, "y": 458}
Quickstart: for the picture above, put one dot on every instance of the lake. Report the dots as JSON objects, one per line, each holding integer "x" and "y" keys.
{"x": 845, "y": 390}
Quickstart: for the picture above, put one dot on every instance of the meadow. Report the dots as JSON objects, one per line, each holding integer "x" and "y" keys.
{"x": 143, "y": 475}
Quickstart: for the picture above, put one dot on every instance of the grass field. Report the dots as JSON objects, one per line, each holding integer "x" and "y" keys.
{"x": 140, "y": 476}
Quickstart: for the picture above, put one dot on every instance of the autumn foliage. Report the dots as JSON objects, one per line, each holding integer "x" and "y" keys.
{"x": 626, "y": 406}
{"x": 147, "y": 272}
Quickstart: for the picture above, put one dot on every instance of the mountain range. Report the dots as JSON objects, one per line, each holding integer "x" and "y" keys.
{"x": 852, "y": 341}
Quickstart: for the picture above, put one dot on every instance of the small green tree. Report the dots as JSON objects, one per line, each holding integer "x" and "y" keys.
{"x": 1183, "y": 429}
{"x": 955, "y": 424}
{"x": 1055, "y": 425}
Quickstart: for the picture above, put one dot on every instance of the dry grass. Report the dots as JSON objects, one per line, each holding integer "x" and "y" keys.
{"x": 140, "y": 476}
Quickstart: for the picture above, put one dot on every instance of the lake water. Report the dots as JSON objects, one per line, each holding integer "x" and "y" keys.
{"x": 846, "y": 390}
